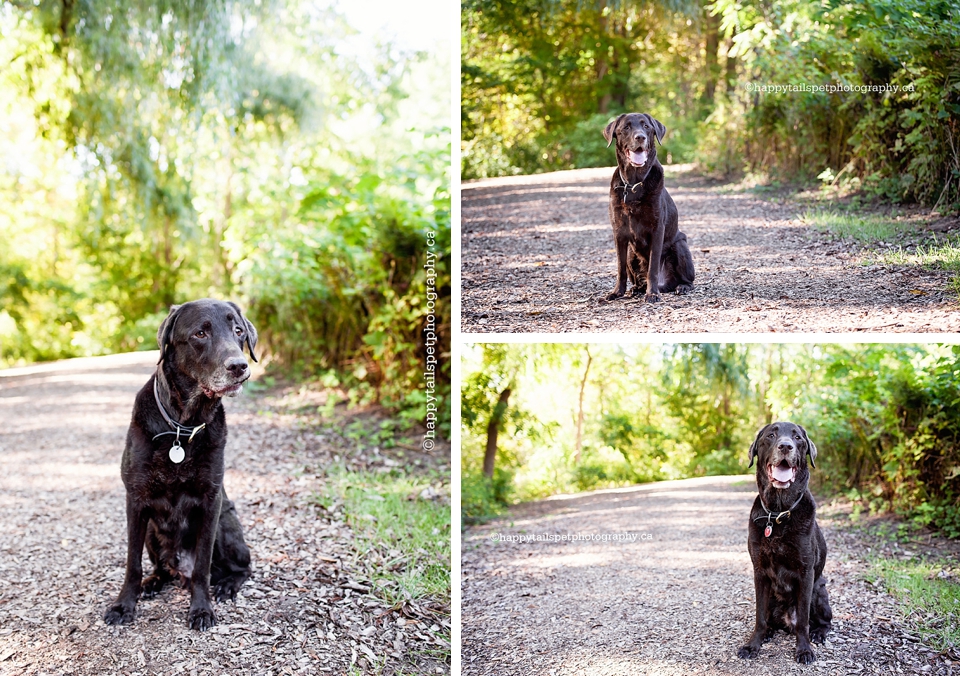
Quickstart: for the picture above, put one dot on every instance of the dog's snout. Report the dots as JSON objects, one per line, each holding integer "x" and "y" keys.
{"x": 237, "y": 366}
{"x": 785, "y": 445}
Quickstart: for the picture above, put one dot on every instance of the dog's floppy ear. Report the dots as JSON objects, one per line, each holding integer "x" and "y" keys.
{"x": 755, "y": 444}
{"x": 165, "y": 332}
{"x": 610, "y": 131}
{"x": 811, "y": 448}
{"x": 659, "y": 129}
{"x": 249, "y": 330}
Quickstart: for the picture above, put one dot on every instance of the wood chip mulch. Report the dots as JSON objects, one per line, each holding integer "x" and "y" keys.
{"x": 679, "y": 603}
{"x": 306, "y": 610}
{"x": 538, "y": 256}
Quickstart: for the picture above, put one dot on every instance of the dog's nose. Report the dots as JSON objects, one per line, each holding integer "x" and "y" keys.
{"x": 785, "y": 445}
{"x": 237, "y": 366}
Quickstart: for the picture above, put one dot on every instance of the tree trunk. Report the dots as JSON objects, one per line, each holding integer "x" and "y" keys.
{"x": 583, "y": 385}
{"x": 712, "y": 29}
{"x": 493, "y": 429}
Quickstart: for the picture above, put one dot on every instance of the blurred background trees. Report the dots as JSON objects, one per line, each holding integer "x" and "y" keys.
{"x": 540, "y": 79}
{"x": 886, "y": 419}
{"x": 157, "y": 152}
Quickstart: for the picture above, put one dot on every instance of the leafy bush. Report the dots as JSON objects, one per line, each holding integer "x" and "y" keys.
{"x": 343, "y": 287}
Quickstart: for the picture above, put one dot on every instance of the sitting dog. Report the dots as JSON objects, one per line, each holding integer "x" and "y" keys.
{"x": 651, "y": 250}
{"x": 786, "y": 545}
{"x": 172, "y": 464}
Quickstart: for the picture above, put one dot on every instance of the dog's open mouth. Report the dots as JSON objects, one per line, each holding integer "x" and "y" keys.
{"x": 782, "y": 475}
{"x": 637, "y": 159}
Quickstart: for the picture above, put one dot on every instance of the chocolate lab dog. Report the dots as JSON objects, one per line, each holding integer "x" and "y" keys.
{"x": 172, "y": 464}
{"x": 786, "y": 545}
{"x": 651, "y": 250}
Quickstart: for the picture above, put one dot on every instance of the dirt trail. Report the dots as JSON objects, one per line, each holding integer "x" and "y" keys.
{"x": 63, "y": 544}
{"x": 679, "y": 603}
{"x": 537, "y": 256}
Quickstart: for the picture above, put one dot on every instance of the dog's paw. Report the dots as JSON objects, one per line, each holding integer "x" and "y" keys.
{"x": 806, "y": 656}
{"x": 227, "y": 589}
{"x": 613, "y": 296}
{"x": 202, "y": 618}
{"x": 119, "y": 614}
{"x": 819, "y": 635}
{"x": 684, "y": 289}
{"x": 748, "y": 652}
{"x": 639, "y": 291}
{"x": 152, "y": 586}
{"x": 652, "y": 298}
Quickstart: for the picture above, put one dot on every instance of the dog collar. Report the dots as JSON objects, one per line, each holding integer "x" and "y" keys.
{"x": 177, "y": 453}
{"x": 772, "y": 516}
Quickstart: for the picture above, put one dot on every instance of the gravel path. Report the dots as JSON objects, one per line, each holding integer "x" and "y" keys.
{"x": 63, "y": 543}
{"x": 537, "y": 256}
{"x": 679, "y": 603}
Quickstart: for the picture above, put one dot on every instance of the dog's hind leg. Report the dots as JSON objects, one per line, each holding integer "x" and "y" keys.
{"x": 680, "y": 261}
{"x": 231, "y": 556}
{"x": 821, "y": 615}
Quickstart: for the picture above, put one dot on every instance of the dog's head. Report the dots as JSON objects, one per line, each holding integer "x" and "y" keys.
{"x": 635, "y": 133}
{"x": 203, "y": 341}
{"x": 781, "y": 451}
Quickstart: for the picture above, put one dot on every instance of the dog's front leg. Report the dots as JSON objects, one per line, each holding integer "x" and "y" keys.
{"x": 201, "y": 615}
{"x": 762, "y": 588}
{"x": 653, "y": 267}
{"x": 805, "y": 654}
{"x": 623, "y": 244}
{"x": 122, "y": 611}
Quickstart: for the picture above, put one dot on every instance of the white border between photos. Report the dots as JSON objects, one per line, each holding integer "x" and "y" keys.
{"x": 455, "y": 343}
{"x": 755, "y": 338}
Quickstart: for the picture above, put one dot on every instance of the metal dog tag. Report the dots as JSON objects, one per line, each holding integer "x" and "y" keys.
{"x": 176, "y": 453}
{"x": 766, "y": 531}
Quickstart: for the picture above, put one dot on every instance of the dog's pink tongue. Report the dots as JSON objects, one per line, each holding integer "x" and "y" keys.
{"x": 783, "y": 474}
{"x": 638, "y": 158}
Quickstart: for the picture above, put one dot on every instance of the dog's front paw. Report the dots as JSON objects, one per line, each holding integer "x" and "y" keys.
{"x": 748, "y": 652}
{"x": 639, "y": 291}
{"x": 819, "y": 635}
{"x": 119, "y": 613}
{"x": 201, "y": 618}
{"x": 613, "y": 296}
{"x": 806, "y": 655}
{"x": 684, "y": 289}
{"x": 652, "y": 298}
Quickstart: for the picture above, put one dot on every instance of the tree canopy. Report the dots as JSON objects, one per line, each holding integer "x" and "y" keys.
{"x": 156, "y": 152}
{"x": 865, "y": 92}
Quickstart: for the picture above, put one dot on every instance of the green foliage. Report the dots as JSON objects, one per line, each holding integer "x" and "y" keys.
{"x": 345, "y": 282}
{"x": 174, "y": 150}
{"x": 886, "y": 419}
{"x": 482, "y": 498}
{"x": 874, "y": 98}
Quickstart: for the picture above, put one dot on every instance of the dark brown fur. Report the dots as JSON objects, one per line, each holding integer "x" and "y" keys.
{"x": 651, "y": 251}
{"x": 787, "y": 564}
{"x": 181, "y": 511}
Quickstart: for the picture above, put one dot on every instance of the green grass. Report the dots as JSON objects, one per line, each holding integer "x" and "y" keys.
{"x": 861, "y": 227}
{"x": 931, "y": 604}
{"x": 938, "y": 255}
{"x": 870, "y": 228}
{"x": 403, "y": 542}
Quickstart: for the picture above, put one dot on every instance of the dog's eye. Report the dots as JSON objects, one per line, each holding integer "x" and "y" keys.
{"x": 201, "y": 334}
{"x": 239, "y": 331}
